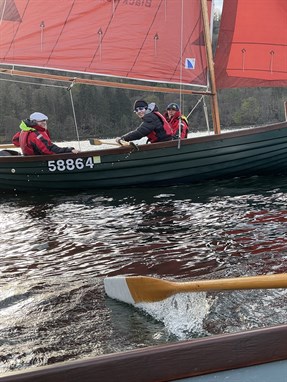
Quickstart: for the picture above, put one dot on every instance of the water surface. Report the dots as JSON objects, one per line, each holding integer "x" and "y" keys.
{"x": 56, "y": 249}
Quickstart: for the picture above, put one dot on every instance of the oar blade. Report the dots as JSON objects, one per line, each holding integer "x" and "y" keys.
{"x": 95, "y": 142}
{"x": 137, "y": 289}
{"x": 117, "y": 288}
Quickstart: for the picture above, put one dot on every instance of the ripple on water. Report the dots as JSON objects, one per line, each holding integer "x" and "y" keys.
{"x": 57, "y": 249}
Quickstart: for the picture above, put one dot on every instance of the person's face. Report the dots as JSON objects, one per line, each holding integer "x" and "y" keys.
{"x": 140, "y": 111}
{"x": 171, "y": 112}
{"x": 43, "y": 123}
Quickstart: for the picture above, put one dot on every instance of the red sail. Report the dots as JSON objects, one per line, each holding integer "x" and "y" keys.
{"x": 154, "y": 40}
{"x": 252, "y": 44}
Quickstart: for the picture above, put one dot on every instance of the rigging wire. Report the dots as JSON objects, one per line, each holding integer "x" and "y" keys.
{"x": 3, "y": 11}
{"x": 69, "y": 89}
{"x": 192, "y": 110}
{"x": 202, "y": 99}
{"x": 180, "y": 75}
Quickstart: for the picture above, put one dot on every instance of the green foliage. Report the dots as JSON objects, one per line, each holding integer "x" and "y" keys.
{"x": 248, "y": 112}
{"x": 104, "y": 112}
{"x": 244, "y": 107}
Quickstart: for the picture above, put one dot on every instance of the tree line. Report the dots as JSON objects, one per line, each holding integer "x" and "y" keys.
{"x": 101, "y": 112}
{"x": 108, "y": 112}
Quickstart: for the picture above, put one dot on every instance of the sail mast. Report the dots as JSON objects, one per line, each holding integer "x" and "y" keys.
{"x": 210, "y": 63}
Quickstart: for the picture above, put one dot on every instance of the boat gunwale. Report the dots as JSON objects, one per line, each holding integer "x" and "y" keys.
{"x": 147, "y": 147}
{"x": 169, "y": 361}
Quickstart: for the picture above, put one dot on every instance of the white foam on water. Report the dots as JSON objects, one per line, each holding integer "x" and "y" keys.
{"x": 182, "y": 314}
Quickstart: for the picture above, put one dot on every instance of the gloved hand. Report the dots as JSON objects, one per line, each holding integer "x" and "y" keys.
{"x": 120, "y": 141}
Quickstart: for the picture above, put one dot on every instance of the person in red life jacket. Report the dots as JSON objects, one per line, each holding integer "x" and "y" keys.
{"x": 154, "y": 126}
{"x": 34, "y": 137}
{"x": 176, "y": 121}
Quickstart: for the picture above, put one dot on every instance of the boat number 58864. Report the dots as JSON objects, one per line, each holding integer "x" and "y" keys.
{"x": 70, "y": 164}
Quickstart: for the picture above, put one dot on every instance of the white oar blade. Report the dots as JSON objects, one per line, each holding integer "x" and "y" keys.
{"x": 117, "y": 288}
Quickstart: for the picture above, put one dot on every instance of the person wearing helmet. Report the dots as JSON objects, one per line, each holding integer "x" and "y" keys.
{"x": 153, "y": 126}
{"x": 177, "y": 121}
{"x": 34, "y": 137}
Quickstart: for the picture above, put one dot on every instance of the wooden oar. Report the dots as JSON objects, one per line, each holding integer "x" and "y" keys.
{"x": 7, "y": 146}
{"x": 97, "y": 142}
{"x": 135, "y": 289}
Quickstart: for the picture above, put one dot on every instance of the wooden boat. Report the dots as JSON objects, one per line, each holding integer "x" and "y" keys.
{"x": 157, "y": 164}
{"x": 256, "y": 355}
{"x": 79, "y": 38}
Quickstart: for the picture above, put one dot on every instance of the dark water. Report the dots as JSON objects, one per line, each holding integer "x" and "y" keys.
{"x": 57, "y": 248}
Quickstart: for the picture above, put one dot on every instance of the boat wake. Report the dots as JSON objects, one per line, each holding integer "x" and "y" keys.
{"x": 193, "y": 315}
{"x": 182, "y": 314}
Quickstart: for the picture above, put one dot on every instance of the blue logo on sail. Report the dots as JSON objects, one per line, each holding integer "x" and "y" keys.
{"x": 190, "y": 63}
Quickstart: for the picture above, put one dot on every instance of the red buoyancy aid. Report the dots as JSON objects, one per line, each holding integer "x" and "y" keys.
{"x": 175, "y": 121}
{"x": 152, "y": 137}
{"x": 23, "y": 140}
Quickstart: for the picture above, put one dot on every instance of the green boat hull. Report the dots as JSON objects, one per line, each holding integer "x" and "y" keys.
{"x": 241, "y": 153}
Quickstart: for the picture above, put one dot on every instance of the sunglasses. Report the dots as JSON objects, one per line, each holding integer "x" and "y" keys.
{"x": 139, "y": 109}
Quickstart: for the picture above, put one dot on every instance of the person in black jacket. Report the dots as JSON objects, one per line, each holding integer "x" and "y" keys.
{"x": 154, "y": 126}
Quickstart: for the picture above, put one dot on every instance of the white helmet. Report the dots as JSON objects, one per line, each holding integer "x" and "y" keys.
{"x": 38, "y": 116}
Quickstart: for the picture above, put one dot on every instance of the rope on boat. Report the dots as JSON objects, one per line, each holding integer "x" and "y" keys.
{"x": 3, "y": 11}
{"x": 54, "y": 86}
{"x": 69, "y": 89}
{"x": 202, "y": 99}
